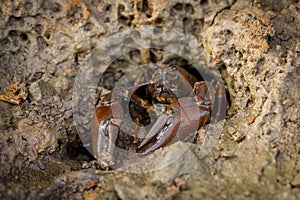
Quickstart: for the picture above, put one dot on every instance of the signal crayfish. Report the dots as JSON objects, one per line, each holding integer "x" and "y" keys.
{"x": 170, "y": 99}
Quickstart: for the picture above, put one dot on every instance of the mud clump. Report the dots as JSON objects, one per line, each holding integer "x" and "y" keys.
{"x": 255, "y": 46}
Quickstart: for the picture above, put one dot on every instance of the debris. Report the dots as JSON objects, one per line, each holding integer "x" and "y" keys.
{"x": 16, "y": 94}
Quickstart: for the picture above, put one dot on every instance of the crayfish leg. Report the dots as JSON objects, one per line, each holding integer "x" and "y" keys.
{"x": 106, "y": 140}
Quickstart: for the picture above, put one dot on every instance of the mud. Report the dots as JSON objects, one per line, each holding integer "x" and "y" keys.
{"x": 255, "y": 46}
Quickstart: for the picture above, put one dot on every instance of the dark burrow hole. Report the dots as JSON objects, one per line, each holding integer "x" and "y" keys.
{"x": 24, "y": 36}
{"x": 12, "y": 33}
{"x": 77, "y": 151}
{"x": 202, "y": 2}
{"x": 48, "y": 35}
{"x": 107, "y": 8}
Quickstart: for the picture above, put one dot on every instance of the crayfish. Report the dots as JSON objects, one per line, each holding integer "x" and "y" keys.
{"x": 172, "y": 100}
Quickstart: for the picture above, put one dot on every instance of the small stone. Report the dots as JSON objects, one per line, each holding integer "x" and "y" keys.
{"x": 85, "y": 165}
{"x": 61, "y": 84}
{"x": 172, "y": 189}
{"x": 35, "y": 91}
{"x": 296, "y": 180}
{"x": 181, "y": 184}
{"x": 278, "y": 47}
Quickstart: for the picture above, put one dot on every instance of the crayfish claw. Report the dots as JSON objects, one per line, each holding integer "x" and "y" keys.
{"x": 164, "y": 136}
{"x": 159, "y": 124}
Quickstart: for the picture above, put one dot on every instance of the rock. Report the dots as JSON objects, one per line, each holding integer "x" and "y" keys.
{"x": 296, "y": 180}
{"x": 35, "y": 91}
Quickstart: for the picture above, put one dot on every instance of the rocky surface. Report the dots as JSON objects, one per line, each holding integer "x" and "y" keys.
{"x": 254, "y": 44}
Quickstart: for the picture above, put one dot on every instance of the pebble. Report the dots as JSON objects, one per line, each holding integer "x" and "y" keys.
{"x": 296, "y": 180}
{"x": 35, "y": 91}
